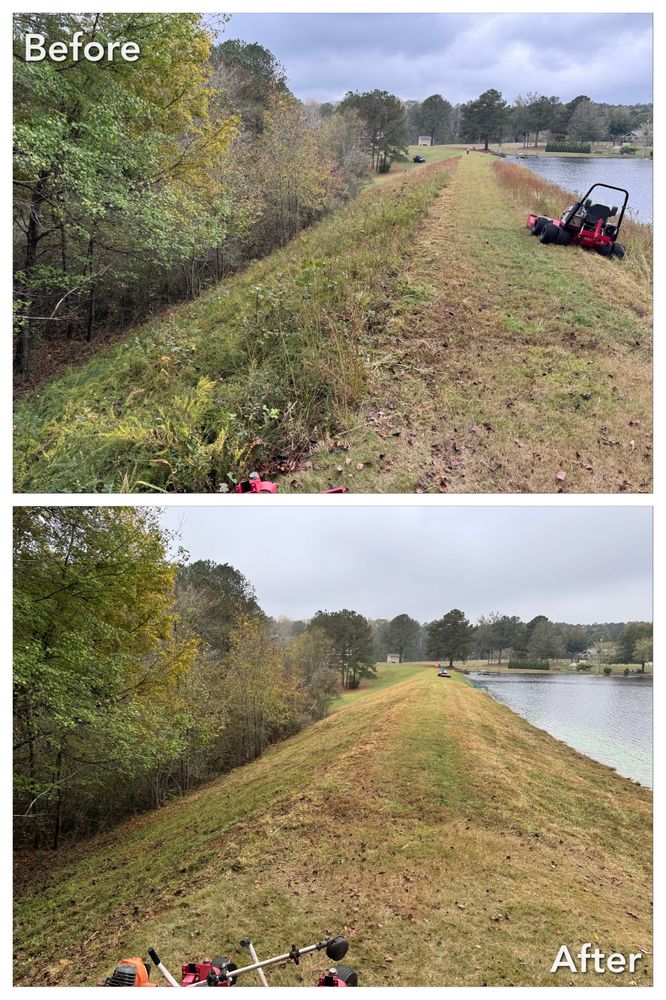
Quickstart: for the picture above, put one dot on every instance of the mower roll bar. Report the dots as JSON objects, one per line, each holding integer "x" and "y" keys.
{"x": 336, "y": 948}
{"x": 609, "y": 187}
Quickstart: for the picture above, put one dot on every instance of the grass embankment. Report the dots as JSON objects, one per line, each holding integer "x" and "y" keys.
{"x": 451, "y": 841}
{"x": 505, "y": 362}
{"x": 253, "y": 370}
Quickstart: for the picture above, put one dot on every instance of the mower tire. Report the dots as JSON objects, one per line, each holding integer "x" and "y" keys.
{"x": 618, "y": 250}
{"x": 538, "y": 225}
{"x": 347, "y": 975}
{"x": 564, "y": 236}
{"x": 606, "y": 250}
{"x": 549, "y": 233}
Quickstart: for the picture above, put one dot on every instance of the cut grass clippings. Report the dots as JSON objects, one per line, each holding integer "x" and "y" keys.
{"x": 451, "y": 841}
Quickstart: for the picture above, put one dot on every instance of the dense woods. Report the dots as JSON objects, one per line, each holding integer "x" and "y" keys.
{"x": 137, "y": 184}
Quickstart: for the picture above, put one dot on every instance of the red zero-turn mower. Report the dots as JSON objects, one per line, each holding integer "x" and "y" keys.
{"x": 255, "y": 484}
{"x": 223, "y": 972}
{"x": 586, "y": 223}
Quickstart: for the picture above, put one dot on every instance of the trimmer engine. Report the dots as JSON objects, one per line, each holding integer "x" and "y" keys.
{"x": 130, "y": 972}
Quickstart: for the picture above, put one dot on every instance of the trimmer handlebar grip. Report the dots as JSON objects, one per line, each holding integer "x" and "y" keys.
{"x": 154, "y": 956}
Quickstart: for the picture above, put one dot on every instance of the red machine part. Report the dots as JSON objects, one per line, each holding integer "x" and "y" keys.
{"x": 255, "y": 484}
{"x": 198, "y": 972}
{"x": 590, "y": 239}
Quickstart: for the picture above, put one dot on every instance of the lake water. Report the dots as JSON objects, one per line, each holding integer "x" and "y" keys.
{"x": 578, "y": 174}
{"x": 607, "y": 718}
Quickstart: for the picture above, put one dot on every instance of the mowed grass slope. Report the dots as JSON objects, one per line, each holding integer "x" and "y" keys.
{"x": 451, "y": 841}
{"x": 247, "y": 375}
{"x": 506, "y": 365}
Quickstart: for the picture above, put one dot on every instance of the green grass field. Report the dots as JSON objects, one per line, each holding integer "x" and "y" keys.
{"x": 452, "y": 842}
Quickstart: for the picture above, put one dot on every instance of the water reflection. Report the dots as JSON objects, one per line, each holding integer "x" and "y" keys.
{"x": 578, "y": 174}
{"x": 607, "y": 718}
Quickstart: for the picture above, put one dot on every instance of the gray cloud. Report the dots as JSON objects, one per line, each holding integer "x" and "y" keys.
{"x": 577, "y": 564}
{"x": 606, "y": 56}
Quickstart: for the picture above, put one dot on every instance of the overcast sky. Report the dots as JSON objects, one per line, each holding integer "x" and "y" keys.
{"x": 575, "y": 564}
{"x": 608, "y": 57}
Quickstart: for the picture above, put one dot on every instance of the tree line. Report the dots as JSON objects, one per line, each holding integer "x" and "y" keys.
{"x": 496, "y": 637}
{"x": 137, "y": 677}
{"x": 490, "y": 118}
{"x": 138, "y": 184}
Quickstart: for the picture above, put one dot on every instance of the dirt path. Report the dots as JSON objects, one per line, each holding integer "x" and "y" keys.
{"x": 506, "y": 366}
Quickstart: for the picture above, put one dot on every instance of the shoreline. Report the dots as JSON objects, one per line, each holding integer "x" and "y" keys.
{"x": 486, "y": 690}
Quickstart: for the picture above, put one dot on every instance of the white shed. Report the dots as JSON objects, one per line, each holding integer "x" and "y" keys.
{"x": 425, "y": 140}
{"x": 393, "y": 657}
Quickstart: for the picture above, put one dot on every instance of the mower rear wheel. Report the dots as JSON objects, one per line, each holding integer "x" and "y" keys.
{"x": 347, "y": 975}
{"x": 564, "y": 236}
{"x": 606, "y": 250}
{"x": 538, "y": 225}
{"x": 618, "y": 250}
{"x": 549, "y": 233}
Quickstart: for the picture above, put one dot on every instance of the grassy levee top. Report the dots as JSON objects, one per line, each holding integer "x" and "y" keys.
{"x": 453, "y": 842}
{"x": 419, "y": 339}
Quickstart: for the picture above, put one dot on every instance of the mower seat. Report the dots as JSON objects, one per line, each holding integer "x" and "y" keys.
{"x": 596, "y": 212}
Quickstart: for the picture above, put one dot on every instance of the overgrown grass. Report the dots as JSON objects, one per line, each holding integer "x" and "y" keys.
{"x": 452, "y": 842}
{"x": 256, "y": 368}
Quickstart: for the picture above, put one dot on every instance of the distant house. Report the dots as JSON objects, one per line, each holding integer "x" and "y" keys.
{"x": 425, "y": 140}
{"x": 393, "y": 657}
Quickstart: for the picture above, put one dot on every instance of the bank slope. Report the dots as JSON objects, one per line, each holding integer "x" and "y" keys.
{"x": 252, "y": 372}
{"x": 453, "y": 842}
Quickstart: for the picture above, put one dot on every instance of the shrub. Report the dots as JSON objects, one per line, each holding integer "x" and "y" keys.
{"x": 628, "y": 150}
{"x": 608, "y": 671}
{"x": 583, "y": 667}
{"x": 568, "y": 147}
{"x": 626, "y": 671}
{"x": 529, "y": 665}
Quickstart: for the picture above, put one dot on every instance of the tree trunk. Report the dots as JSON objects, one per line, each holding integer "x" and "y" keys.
{"x": 33, "y": 237}
{"x": 57, "y": 820}
{"x": 91, "y": 294}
